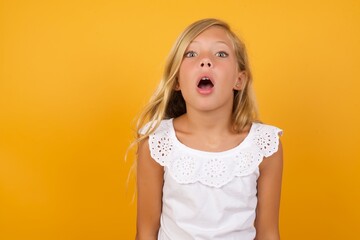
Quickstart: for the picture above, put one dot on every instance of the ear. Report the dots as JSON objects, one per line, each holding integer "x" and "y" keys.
{"x": 241, "y": 81}
{"x": 177, "y": 86}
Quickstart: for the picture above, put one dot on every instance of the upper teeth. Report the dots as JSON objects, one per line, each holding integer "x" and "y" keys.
{"x": 205, "y": 78}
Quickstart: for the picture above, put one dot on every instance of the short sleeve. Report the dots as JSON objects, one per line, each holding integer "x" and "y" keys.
{"x": 266, "y": 138}
{"x": 145, "y": 128}
{"x": 160, "y": 142}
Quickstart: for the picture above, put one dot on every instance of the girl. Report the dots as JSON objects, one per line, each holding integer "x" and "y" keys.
{"x": 207, "y": 169}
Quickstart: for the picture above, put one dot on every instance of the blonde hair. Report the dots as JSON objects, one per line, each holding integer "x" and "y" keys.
{"x": 167, "y": 103}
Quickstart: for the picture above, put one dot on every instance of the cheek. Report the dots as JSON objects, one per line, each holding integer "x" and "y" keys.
{"x": 184, "y": 67}
{"x": 230, "y": 71}
{"x": 184, "y": 71}
{"x": 233, "y": 69}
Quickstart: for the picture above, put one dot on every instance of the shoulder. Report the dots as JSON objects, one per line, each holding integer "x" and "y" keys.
{"x": 156, "y": 127}
{"x": 262, "y": 127}
{"x": 266, "y": 138}
{"x": 159, "y": 140}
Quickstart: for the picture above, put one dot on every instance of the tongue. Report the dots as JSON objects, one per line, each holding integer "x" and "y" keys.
{"x": 205, "y": 85}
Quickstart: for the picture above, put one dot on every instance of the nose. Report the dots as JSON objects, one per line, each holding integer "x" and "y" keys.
{"x": 205, "y": 63}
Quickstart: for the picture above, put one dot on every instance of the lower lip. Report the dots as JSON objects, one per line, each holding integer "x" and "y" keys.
{"x": 205, "y": 91}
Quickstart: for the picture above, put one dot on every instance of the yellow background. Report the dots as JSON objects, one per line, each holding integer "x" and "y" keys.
{"x": 74, "y": 74}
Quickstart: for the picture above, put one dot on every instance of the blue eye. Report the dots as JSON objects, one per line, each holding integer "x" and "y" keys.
{"x": 222, "y": 54}
{"x": 190, "y": 54}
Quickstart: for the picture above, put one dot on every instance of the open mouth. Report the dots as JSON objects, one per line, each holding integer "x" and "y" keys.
{"x": 205, "y": 83}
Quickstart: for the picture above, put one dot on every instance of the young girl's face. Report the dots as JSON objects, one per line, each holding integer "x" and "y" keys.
{"x": 208, "y": 72}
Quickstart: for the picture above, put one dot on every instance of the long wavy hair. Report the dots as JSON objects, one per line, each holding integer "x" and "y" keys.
{"x": 167, "y": 103}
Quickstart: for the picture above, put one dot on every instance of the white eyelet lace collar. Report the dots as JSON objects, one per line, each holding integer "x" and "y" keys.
{"x": 187, "y": 165}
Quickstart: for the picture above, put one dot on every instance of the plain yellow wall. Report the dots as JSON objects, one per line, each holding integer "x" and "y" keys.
{"x": 74, "y": 74}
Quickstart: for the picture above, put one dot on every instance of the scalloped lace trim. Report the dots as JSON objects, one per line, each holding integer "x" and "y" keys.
{"x": 214, "y": 171}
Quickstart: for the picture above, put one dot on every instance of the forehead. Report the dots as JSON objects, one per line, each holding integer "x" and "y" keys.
{"x": 213, "y": 35}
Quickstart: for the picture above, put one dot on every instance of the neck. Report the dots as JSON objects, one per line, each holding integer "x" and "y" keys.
{"x": 209, "y": 122}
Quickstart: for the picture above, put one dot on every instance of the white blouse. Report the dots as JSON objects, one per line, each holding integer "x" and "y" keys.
{"x": 210, "y": 195}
